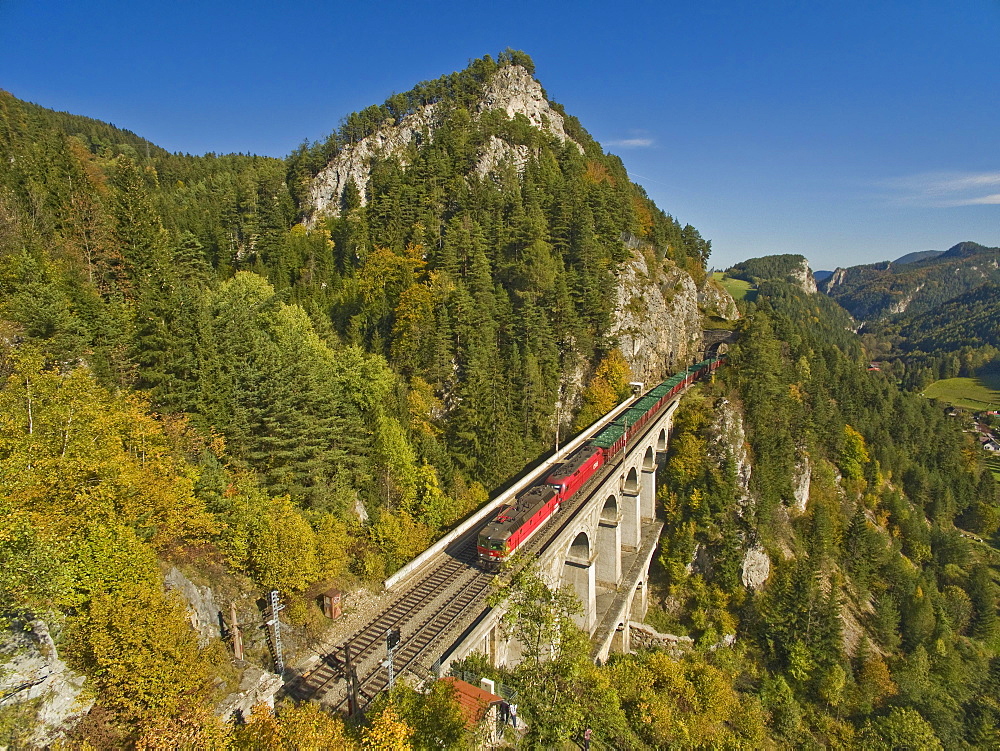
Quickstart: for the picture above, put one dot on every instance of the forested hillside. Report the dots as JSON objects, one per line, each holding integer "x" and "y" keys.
{"x": 879, "y": 290}
{"x": 831, "y": 527}
{"x": 878, "y": 599}
{"x": 194, "y": 373}
{"x": 206, "y": 371}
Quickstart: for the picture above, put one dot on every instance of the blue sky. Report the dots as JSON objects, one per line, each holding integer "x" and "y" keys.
{"x": 850, "y": 132}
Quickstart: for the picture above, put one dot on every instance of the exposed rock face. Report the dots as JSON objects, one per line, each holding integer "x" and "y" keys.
{"x": 716, "y": 301}
{"x": 498, "y": 152}
{"x": 801, "y": 483}
{"x": 353, "y": 163}
{"x": 33, "y": 670}
{"x": 802, "y": 276}
{"x": 202, "y": 606}
{"x": 902, "y": 305}
{"x": 729, "y": 439}
{"x": 756, "y": 567}
{"x": 256, "y": 687}
{"x": 657, "y": 321}
{"x": 511, "y": 89}
{"x": 515, "y": 91}
{"x": 836, "y": 278}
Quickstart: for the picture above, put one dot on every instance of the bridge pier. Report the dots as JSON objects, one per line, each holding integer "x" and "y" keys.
{"x": 640, "y": 602}
{"x": 631, "y": 521}
{"x": 609, "y": 545}
{"x": 580, "y": 573}
{"x": 648, "y": 493}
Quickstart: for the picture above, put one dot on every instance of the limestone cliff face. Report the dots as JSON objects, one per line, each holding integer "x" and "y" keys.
{"x": 802, "y": 275}
{"x": 512, "y": 89}
{"x": 659, "y": 315}
{"x": 715, "y": 301}
{"x": 657, "y": 320}
{"x": 353, "y": 163}
{"x": 34, "y": 672}
{"x": 729, "y": 440}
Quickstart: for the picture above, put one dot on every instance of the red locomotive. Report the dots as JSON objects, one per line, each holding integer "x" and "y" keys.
{"x": 516, "y": 522}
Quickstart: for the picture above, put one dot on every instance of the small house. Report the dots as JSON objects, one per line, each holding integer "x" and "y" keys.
{"x": 480, "y": 708}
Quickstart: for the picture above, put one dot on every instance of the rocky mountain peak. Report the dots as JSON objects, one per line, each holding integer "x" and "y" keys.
{"x": 515, "y": 91}
{"x": 511, "y": 89}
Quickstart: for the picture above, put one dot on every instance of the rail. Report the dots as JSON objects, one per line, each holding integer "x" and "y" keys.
{"x": 486, "y": 511}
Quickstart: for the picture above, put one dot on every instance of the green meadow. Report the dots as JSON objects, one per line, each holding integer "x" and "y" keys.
{"x": 978, "y": 393}
{"x": 738, "y": 288}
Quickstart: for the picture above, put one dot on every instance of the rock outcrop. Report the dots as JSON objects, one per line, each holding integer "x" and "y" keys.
{"x": 801, "y": 483}
{"x": 203, "y": 609}
{"x": 353, "y": 162}
{"x": 657, "y": 320}
{"x": 515, "y": 91}
{"x": 756, "y": 567}
{"x": 256, "y": 687}
{"x": 32, "y": 670}
{"x": 838, "y": 277}
{"x": 802, "y": 276}
{"x": 512, "y": 89}
{"x": 729, "y": 440}
{"x": 715, "y": 301}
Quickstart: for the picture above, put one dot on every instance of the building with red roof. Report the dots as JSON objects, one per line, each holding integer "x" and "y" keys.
{"x": 479, "y": 708}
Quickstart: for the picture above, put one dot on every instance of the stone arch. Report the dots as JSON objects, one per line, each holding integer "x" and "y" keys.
{"x": 631, "y": 483}
{"x": 648, "y": 460}
{"x": 578, "y": 573}
{"x": 717, "y": 341}
{"x": 580, "y": 547}
{"x": 610, "y": 511}
{"x": 661, "y": 441}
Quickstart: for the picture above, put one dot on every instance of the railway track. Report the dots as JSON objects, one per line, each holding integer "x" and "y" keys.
{"x": 435, "y": 607}
{"x": 363, "y": 647}
{"x": 439, "y": 605}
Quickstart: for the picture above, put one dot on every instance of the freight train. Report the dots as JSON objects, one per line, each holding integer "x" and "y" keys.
{"x": 516, "y": 522}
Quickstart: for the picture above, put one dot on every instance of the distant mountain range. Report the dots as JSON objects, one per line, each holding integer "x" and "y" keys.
{"x": 969, "y": 320}
{"x": 918, "y": 255}
{"x": 915, "y": 283}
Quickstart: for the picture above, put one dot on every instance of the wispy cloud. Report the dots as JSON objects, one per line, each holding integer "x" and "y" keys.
{"x": 633, "y": 143}
{"x": 993, "y": 200}
{"x": 946, "y": 189}
{"x": 638, "y": 139}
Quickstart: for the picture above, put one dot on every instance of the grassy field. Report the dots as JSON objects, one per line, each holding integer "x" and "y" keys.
{"x": 979, "y": 393}
{"x": 993, "y": 463}
{"x": 738, "y": 288}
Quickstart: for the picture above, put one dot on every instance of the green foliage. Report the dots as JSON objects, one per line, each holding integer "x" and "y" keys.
{"x": 901, "y": 728}
{"x": 435, "y": 716}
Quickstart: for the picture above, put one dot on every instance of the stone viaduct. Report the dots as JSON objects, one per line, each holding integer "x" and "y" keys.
{"x": 602, "y": 552}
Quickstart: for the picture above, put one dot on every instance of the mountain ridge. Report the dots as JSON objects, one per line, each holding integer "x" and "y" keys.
{"x": 874, "y": 291}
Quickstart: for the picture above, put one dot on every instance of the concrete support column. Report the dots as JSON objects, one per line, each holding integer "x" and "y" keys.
{"x": 631, "y": 521}
{"x": 621, "y": 641}
{"x": 581, "y": 575}
{"x": 609, "y": 553}
{"x": 647, "y": 492}
{"x": 640, "y": 603}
